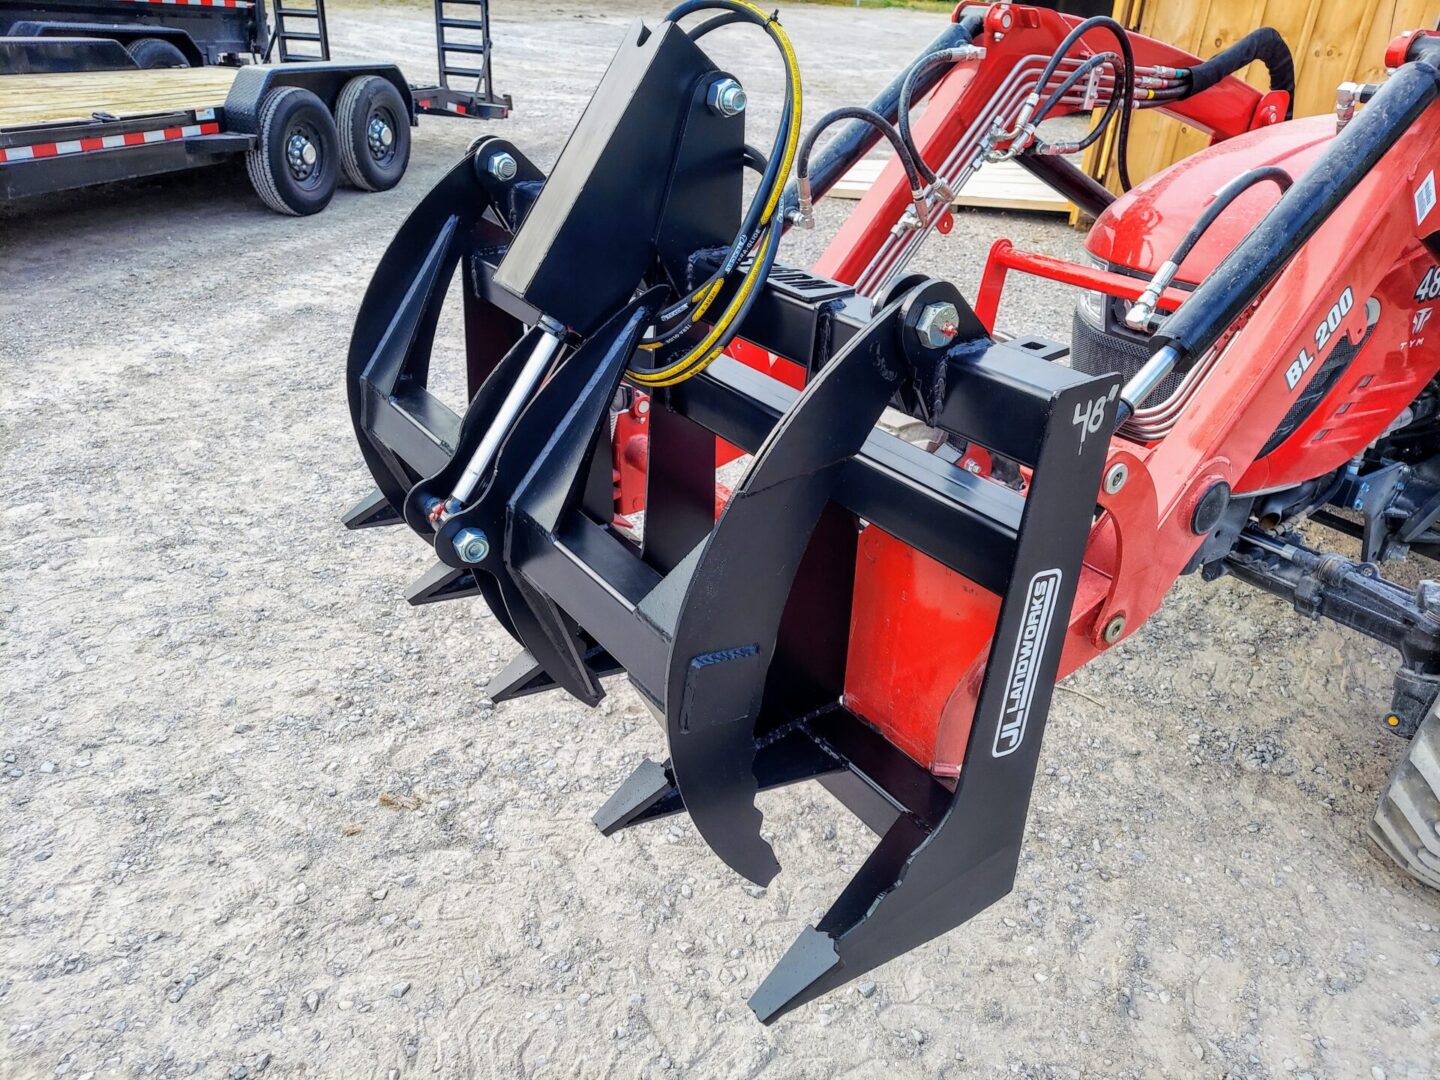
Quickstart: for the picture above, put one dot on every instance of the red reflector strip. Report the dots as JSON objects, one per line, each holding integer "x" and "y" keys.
{"x": 105, "y": 142}
{"x": 199, "y": 3}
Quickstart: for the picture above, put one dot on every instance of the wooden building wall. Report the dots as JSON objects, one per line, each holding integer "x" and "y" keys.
{"x": 1334, "y": 41}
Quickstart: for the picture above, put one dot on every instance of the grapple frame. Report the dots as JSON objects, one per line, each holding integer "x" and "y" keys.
{"x": 750, "y": 634}
{"x": 748, "y": 669}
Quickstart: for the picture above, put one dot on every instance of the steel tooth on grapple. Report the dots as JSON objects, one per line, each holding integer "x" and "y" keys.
{"x": 371, "y": 512}
{"x": 736, "y": 631}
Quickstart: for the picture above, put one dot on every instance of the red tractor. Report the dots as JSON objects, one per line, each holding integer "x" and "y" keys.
{"x": 1252, "y": 348}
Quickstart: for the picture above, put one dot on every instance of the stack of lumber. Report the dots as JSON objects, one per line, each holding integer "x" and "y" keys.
{"x": 78, "y": 95}
{"x": 1000, "y": 186}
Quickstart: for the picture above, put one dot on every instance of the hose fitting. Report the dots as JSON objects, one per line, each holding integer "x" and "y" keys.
{"x": 1143, "y": 310}
{"x": 921, "y": 205}
{"x": 1058, "y": 149}
{"x": 806, "y": 203}
{"x": 1018, "y": 137}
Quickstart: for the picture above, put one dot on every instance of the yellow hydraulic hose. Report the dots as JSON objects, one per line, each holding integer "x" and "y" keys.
{"x": 714, "y": 342}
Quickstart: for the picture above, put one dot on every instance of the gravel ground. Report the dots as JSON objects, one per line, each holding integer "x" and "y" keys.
{"x": 261, "y": 818}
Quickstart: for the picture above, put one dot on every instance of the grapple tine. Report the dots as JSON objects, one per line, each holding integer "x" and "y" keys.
{"x": 373, "y": 511}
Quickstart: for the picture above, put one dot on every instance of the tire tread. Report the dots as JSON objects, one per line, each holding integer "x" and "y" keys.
{"x": 1407, "y": 814}
{"x": 349, "y": 152}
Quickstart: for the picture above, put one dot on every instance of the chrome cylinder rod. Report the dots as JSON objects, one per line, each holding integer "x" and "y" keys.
{"x": 1142, "y": 384}
{"x": 541, "y": 357}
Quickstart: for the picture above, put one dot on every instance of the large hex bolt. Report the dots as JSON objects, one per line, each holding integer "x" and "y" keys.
{"x": 938, "y": 325}
{"x": 472, "y": 545}
{"x": 726, "y": 97}
{"x": 502, "y": 166}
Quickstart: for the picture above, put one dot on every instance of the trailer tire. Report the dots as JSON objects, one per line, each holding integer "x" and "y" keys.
{"x": 374, "y": 126}
{"x": 294, "y": 165}
{"x": 152, "y": 52}
{"x": 1407, "y": 819}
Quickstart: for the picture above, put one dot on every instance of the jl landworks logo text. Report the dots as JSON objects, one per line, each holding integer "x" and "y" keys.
{"x": 1025, "y": 664}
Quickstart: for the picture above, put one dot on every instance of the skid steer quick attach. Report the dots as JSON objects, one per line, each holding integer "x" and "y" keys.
{"x": 885, "y": 618}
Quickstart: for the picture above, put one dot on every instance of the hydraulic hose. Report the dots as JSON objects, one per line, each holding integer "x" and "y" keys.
{"x": 1113, "y": 61}
{"x": 1265, "y": 45}
{"x": 778, "y": 166}
{"x": 853, "y": 141}
{"x": 756, "y": 234}
{"x": 880, "y": 124}
{"x": 1140, "y": 313}
{"x": 720, "y": 335}
{"x": 952, "y": 55}
{"x": 728, "y": 18}
{"x": 1124, "y": 91}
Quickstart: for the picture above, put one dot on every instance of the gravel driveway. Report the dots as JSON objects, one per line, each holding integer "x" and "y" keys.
{"x": 261, "y": 819}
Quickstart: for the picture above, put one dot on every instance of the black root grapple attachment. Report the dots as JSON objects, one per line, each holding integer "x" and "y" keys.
{"x": 735, "y": 629}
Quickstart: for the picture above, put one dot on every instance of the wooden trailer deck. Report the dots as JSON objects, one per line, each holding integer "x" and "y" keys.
{"x": 78, "y": 95}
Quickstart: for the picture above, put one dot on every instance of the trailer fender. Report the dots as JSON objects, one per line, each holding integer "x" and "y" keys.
{"x": 123, "y": 34}
{"x": 51, "y": 55}
{"x": 323, "y": 79}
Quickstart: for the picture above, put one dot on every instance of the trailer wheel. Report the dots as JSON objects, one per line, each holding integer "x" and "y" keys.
{"x": 374, "y": 127}
{"x": 152, "y": 52}
{"x": 293, "y": 167}
{"x": 1407, "y": 819}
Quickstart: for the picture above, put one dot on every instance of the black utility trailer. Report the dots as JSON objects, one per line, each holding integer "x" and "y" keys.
{"x": 196, "y": 33}
{"x": 299, "y": 127}
{"x": 157, "y": 33}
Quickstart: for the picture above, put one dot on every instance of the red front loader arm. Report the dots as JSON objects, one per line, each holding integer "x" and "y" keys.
{"x": 1363, "y": 263}
{"x": 966, "y": 102}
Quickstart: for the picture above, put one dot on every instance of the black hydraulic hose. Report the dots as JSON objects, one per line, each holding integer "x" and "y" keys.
{"x": 854, "y": 112}
{"x": 1301, "y": 211}
{"x": 1124, "y": 90}
{"x": 1224, "y": 197}
{"x": 1080, "y": 72}
{"x": 902, "y": 117}
{"x": 749, "y": 233}
{"x": 1140, "y": 312}
{"x": 856, "y": 139}
{"x": 734, "y": 13}
{"x": 1115, "y": 102}
{"x": 1265, "y": 45}
{"x": 728, "y": 18}
{"x": 769, "y": 246}
{"x": 912, "y": 76}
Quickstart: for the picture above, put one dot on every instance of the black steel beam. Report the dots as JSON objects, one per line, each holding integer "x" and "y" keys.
{"x": 967, "y": 523}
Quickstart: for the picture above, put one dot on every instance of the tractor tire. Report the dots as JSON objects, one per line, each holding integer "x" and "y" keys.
{"x": 152, "y": 52}
{"x": 374, "y": 125}
{"x": 294, "y": 165}
{"x": 1407, "y": 818}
